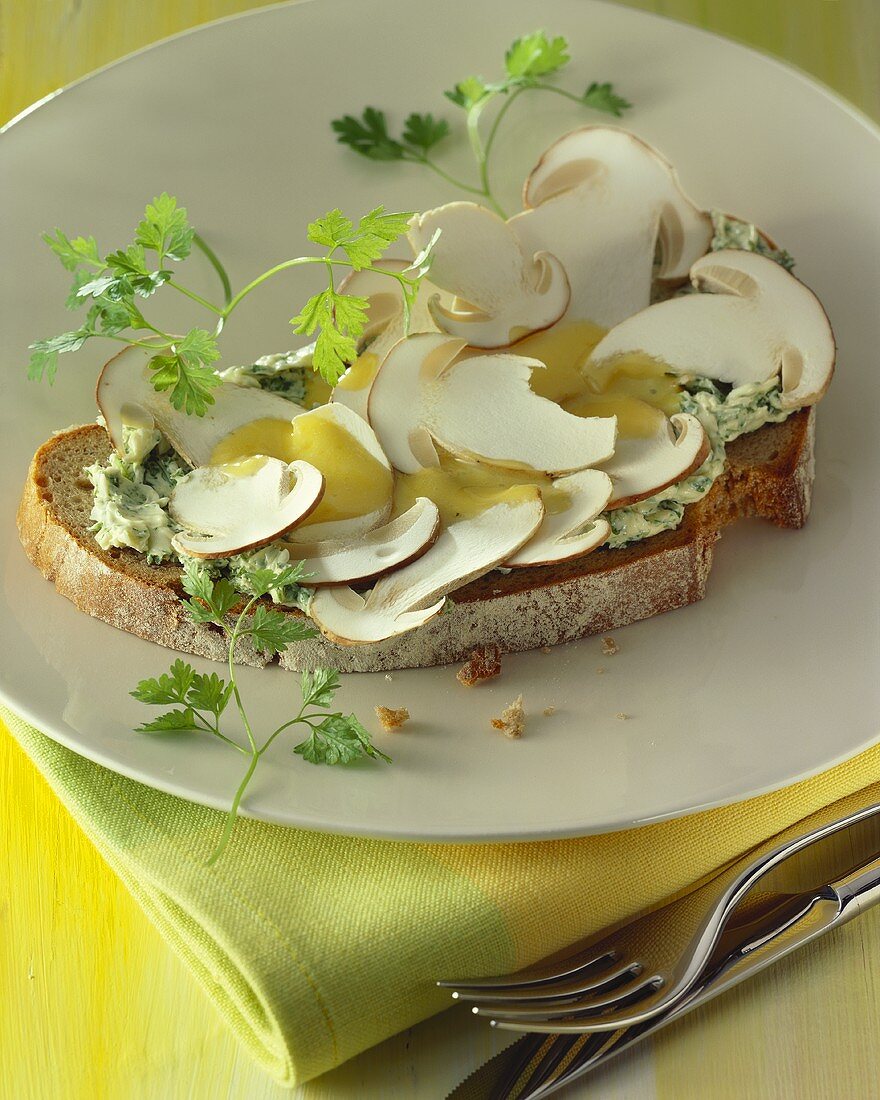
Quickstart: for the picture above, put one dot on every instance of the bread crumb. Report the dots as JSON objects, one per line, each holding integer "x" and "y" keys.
{"x": 483, "y": 664}
{"x": 601, "y": 671}
{"x": 546, "y": 649}
{"x": 623, "y": 717}
{"x": 609, "y": 646}
{"x": 388, "y": 677}
{"x": 512, "y": 722}
{"x": 391, "y": 718}
{"x": 549, "y": 711}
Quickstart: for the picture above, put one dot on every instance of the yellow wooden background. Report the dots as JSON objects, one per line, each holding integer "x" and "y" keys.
{"x": 92, "y": 1002}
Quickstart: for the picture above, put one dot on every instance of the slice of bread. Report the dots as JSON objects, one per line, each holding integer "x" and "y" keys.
{"x": 769, "y": 473}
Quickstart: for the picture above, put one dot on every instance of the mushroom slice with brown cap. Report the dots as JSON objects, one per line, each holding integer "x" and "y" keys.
{"x": 480, "y": 408}
{"x": 343, "y": 561}
{"x": 603, "y": 202}
{"x": 643, "y": 465}
{"x": 411, "y": 596}
{"x": 503, "y": 291}
{"x": 753, "y": 320}
{"x": 229, "y": 509}
{"x": 571, "y": 525}
{"x": 125, "y": 385}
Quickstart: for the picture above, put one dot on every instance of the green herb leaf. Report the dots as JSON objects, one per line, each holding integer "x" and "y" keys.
{"x": 424, "y": 131}
{"x": 165, "y": 229}
{"x": 263, "y": 582}
{"x": 467, "y": 93}
{"x": 184, "y": 371}
{"x": 212, "y": 601}
{"x": 272, "y": 631}
{"x": 536, "y": 55}
{"x": 375, "y": 232}
{"x": 341, "y": 318}
{"x": 602, "y": 97}
{"x": 319, "y": 687}
{"x": 170, "y": 687}
{"x": 338, "y": 740}
{"x": 73, "y": 252}
{"x": 368, "y": 135}
{"x": 209, "y": 692}
{"x": 173, "y": 721}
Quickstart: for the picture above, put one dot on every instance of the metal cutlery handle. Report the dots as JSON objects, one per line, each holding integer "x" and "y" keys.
{"x": 801, "y": 920}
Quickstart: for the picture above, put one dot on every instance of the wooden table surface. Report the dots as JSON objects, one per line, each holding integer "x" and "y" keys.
{"x": 92, "y": 1002}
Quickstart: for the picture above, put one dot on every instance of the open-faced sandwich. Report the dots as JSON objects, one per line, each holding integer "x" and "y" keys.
{"x": 545, "y": 446}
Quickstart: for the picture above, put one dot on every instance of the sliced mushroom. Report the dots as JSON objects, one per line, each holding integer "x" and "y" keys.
{"x": 230, "y": 509}
{"x": 338, "y": 467}
{"x": 753, "y": 320}
{"x": 411, "y": 596}
{"x": 502, "y": 291}
{"x": 343, "y": 561}
{"x": 643, "y": 465}
{"x": 124, "y": 385}
{"x": 571, "y": 526}
{"x": 480, "y": 408}
{"x": 386, "y": 325}
{"x": 602, "y": 201}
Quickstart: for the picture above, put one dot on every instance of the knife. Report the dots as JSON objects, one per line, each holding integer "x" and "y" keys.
{"x": 780, "y": 925}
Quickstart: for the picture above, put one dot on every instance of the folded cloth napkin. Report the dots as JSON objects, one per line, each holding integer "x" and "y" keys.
{"x": 315, "y": 947}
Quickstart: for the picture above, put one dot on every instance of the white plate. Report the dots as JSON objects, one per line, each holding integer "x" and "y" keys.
{"x": 773, "y": 677}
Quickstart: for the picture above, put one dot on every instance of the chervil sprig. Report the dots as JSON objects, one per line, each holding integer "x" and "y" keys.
{"x": 114, "y": 288}
{"x": 199, "y": 700}
{"x": 529, "y": 65}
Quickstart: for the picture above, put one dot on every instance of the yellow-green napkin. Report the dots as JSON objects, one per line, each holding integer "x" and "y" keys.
{"x": 314, "y": 947}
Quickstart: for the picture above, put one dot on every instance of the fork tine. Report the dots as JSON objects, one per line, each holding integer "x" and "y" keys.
{"x": 565, "y": 1008}
{"x": 549, "y": 991}
{"x": 532, "y": 977}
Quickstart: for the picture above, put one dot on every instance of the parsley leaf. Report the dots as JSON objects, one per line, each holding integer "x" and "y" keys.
{"x": 171, "y": 687}
{"x": 424, "y": 131}
{"x": 73, "y": 252}
{"x": 272, "y": 631}
{"x": 536, "y": 55}
{"x": 602, "y": 97}
{"x": 184, "y": 371}
{"x": 469, "y": 92}
{"x": 212, "y": 601}
{"x": 374, "y": 233}
{"x": 173, "y": 721}
{"x": 165, "y": 229}
{"x": 368, "y": 135}
{"x": 319, "y": 686}
{"x": 264, "y": 582}
{"x": 341, "y": 319}
{"x": 209, "y": 692}
{"x": 338, "y": 740}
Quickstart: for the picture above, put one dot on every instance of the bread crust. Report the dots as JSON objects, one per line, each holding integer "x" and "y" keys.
{"x": 768, "y": 473}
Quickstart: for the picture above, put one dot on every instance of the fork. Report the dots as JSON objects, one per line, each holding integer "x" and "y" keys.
{"x": 624, "y": 976}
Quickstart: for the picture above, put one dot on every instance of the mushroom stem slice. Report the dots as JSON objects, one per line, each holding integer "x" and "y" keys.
{"x": 572, "y": 530}
{"x": 481, "y": 408}
{"x": 642, "y": 466}
{"x": 390, "y": 547}
{"x": 503, "y": 291}
{"x": 752, "y": 320}
{"x": 602, "y": 201}
{"x": 126, "y": 381}
{"x": 242, "y": 506}
{"x": 411, "y": 596}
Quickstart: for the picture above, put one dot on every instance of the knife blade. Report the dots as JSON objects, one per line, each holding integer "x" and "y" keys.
{"x": 781, "y": 924}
